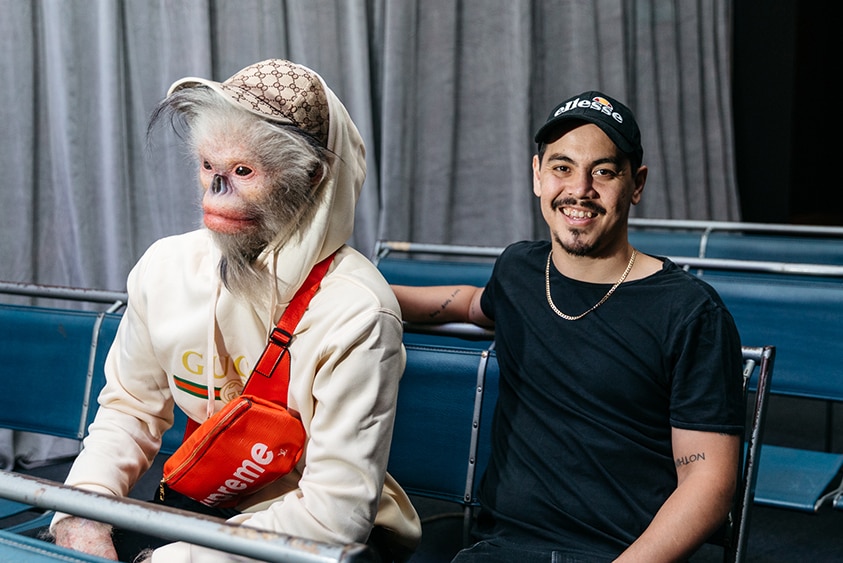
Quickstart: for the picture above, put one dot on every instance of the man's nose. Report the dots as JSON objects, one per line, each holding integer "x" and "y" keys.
{"x": 580, "y": 184}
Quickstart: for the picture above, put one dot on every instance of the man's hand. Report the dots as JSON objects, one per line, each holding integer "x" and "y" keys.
{"x": 87, "y": 536}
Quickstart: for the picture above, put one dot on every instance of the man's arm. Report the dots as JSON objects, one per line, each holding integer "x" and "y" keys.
{"x": 441, "y": 304}
{"x": 707, "y": 469}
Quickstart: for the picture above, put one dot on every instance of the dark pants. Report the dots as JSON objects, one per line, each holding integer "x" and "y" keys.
{"x": 486, "y": 551}
{"x": 497, "y": 543}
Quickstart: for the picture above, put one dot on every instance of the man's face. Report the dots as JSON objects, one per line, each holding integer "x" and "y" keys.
{"x": 586, "y": 188}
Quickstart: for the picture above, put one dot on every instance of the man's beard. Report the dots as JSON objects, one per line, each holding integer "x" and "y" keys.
{"x": 281, "y": 217}
{"x": 576, "y": 246}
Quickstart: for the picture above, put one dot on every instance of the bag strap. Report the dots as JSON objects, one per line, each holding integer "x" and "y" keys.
{"x": 261, "y": 382}
{"x": 275, "y": 354}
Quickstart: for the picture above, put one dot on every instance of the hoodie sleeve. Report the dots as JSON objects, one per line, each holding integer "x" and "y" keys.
{"x": 135, "y": 408}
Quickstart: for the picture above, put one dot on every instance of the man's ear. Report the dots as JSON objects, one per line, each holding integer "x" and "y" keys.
{"x": 537, "y": 186}
{"x": 640, "y": 180}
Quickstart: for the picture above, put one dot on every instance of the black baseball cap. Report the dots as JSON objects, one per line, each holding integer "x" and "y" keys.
{"x": 614, "y": 118}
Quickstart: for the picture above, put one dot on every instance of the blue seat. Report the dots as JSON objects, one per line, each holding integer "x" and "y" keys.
{"x": 798, "y": 479}
{"x": 431, "y": 453}
{"x": 801, "y": 315}
{"x": 803, "y": 319}
{"x": 45, "y": 355}
{"x": 774, "y": 248}
{"x": 666, "y": 243}
{"x": 404, "y": 271}
{"x": 490, "y": 399}
{"x": 55, "y": 359}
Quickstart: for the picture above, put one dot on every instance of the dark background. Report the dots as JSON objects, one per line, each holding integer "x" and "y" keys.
{"x": 787, "y": 150}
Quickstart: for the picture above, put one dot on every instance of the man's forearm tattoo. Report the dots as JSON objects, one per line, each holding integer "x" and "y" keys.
{"x": 445, "y": 304}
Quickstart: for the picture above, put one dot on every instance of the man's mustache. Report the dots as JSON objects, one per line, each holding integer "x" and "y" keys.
{"x": 584, "y": 204}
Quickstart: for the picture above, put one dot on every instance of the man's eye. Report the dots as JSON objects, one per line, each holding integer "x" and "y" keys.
{"x": 242, "y": 170}
{"x": 604, "y": 172}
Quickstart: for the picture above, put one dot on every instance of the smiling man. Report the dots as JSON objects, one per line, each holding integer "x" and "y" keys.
{"x": 617, "y": 432}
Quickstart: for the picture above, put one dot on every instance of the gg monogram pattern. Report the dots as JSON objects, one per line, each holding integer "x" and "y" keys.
{"x": 284, "y": 91}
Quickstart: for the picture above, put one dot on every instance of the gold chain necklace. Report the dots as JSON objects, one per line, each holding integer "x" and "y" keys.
{"x": 605, "y": 297}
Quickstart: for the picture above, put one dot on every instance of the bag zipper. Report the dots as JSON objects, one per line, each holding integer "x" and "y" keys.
{"x": 211, "y": 434}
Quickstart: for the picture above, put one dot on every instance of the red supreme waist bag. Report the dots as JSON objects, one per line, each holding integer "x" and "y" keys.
{"x": 254, "y": 440}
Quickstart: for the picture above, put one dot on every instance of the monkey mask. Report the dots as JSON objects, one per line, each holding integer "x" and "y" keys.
{"x": 288, "y": 93}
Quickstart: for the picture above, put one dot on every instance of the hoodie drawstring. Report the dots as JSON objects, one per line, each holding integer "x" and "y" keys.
{"x": 212, "y": 352}
{"x": 273, "y": 299}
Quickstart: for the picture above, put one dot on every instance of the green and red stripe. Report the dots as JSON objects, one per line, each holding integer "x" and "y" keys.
{"x": 193, "y": 388}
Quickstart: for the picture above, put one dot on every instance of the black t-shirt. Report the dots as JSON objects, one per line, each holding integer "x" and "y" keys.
{"x": 582, "y": 430}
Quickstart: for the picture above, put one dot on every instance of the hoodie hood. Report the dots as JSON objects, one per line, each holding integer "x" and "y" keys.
{"x": 333, "y": 222}
{"x": 285, "y": 92}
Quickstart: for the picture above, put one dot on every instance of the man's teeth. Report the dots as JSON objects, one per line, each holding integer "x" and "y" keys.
{"x": 579, "y": 214}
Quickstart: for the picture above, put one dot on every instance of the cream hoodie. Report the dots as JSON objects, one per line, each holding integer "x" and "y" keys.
{"x": 183, "y": 334}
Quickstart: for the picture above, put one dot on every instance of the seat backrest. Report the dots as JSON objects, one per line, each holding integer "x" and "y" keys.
{"x": 45, "y": 355}
{"x": 432, "y": 439}
{"x": 803, "y": 319}
{"x": 106, "y": 332}
{"x": 404, "y": 271}
{"x": 662, "y": 243}
{"x": 490, "y": 399}
{"x": 774, "y": 248}
{"x": 54, "y": 361}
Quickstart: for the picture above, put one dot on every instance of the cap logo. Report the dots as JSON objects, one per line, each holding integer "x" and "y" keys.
{"x": 597, "y": 103}
{"x": 603, "y": 101}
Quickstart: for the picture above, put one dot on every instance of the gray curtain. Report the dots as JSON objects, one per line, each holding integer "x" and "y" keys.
{"x": 446, "y": 93}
